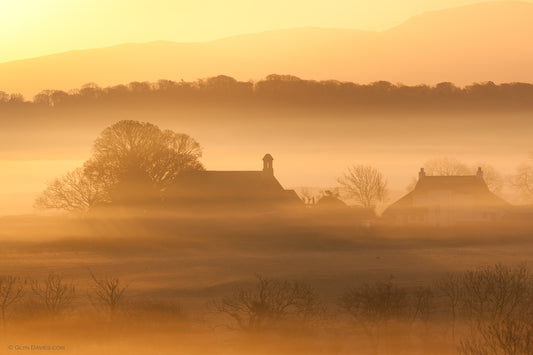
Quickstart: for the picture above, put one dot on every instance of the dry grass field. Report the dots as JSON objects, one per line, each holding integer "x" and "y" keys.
{"x": 175, "y": 270}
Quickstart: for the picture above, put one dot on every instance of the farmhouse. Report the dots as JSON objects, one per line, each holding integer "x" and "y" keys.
{"x": 232, "y": 191}
{"x": 447, "y": 201}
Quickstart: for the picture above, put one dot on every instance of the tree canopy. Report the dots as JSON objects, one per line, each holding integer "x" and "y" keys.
{"x": 73, "y": 192}
{"x": 131, "y": 146}
{"x": 522, "y": 181}
{"x": 131, "y": 161}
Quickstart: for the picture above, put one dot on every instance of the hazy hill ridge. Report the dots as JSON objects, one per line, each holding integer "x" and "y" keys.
{"x": 474, "y": 43}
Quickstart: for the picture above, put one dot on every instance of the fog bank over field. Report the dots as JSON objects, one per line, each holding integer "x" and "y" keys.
{"x": 310, "y": 147}
{"x": 300, "y": 191}
{"x": 314, "y": 129}
{"x": 180, "y": 276}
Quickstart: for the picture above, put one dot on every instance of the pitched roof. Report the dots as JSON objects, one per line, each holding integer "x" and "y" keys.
{"x": 227, "y": 186}
{"x": 331, "y": 202}
{"x": 458, "y": 184}
{"x": 469, "y": 185}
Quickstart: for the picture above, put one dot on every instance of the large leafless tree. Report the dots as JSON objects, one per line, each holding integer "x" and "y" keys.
{"x": 128, "y": 153}
{"x": 522, "y": 181}
{"x": 133, "y": 145}
{"x": 365, "y": 184}
{"x": 73, "y": 192}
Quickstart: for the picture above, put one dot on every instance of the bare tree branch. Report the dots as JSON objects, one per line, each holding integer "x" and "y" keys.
{"x": 54, "y": 293}
{"x": 108, "y": 293}
{"x": 269, "y": 303}
{"x": 11, "y": 291}
{"x": 365, "y": 184}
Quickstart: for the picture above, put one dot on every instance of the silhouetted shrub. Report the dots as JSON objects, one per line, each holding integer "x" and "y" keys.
{"x": 108, "y": 294}
{"x": 11, "y": 292}
{"x": 495, "y": 302}
{"x": 510, "y": 336}
{"x": 269, "y": 304}
{"x": 54, "y": 294}
{"x": 374, "y": 306}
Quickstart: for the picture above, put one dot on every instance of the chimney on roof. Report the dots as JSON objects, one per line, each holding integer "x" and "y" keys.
{"x": 267, "y": 165}
{"x": 421, "y": 174}
{"x": 479, "y": 173}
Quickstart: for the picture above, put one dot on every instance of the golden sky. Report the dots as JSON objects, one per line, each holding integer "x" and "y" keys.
{"x": 30, "y": 28}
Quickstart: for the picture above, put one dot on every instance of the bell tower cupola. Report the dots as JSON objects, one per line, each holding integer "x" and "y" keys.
{"x": 267, "y": 164}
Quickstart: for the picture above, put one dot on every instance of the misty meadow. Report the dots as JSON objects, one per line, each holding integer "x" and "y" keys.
{"x": 142, "y": 243}
{"x": 266, "y": 177}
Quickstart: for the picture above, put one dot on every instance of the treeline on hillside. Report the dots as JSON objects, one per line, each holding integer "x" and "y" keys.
{"x": 287, "y": 90}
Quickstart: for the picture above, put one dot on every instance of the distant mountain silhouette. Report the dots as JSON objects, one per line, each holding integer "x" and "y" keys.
{"x": 474, "y": 43}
